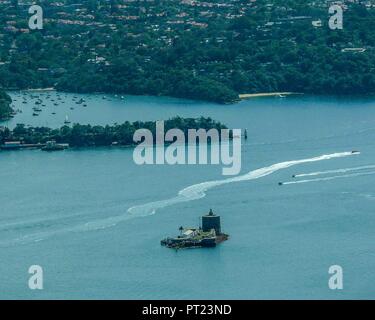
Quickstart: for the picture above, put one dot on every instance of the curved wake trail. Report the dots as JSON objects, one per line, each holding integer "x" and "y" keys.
{"x": 198, "y": 191}
{"x": 331, "y": 178}
{"x": 345, "y": 170}
{"x": 194, "y": 192}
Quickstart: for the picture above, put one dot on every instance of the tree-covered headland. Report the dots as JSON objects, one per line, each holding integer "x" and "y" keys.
{"x": 211, "y": 50}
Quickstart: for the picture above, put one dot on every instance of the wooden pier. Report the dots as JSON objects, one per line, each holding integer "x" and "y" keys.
{"x": 22, "y": 146}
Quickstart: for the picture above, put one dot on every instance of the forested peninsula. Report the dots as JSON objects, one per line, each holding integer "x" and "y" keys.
{"x": 210, "y": 50}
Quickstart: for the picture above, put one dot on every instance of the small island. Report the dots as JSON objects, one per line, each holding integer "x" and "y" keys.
{"x": 208, "y": 235}
{"x": 79, "y": 135}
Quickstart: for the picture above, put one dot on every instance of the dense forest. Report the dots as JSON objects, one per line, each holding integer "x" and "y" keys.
{"x": 94, "y": 136}
{"x": 5, "y": 109}
{"x": 211, "y": 50}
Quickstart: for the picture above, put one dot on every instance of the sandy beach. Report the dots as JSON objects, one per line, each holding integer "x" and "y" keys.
{"x": 266, "y": 94}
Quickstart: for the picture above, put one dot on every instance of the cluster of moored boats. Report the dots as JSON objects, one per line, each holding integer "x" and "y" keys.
{"x": 41, "y": 100}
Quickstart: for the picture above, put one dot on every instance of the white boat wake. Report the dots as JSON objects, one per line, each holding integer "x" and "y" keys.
{"x": 359, "y": 174}
{"x": 345, "y": 170}
{"x": 198, "y": 191}
{"x": 194, "y": 192}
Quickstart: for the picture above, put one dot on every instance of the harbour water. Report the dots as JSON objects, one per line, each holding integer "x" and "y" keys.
{"x": 93, "y": 219}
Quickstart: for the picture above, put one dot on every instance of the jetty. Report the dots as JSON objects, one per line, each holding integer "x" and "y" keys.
{"x": 48, "y": 146}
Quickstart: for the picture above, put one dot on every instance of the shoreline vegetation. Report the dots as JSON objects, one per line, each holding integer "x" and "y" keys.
{"x": 79, "y": 135}
{"x": 5, "y": 109}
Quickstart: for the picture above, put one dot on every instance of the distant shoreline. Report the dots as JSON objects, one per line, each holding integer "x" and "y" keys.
{"x": 266, "y": 94}
{"x": 242, "y": 96}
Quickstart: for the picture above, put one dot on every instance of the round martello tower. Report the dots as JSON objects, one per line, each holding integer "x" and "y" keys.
{"x": 211, "y": 221}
